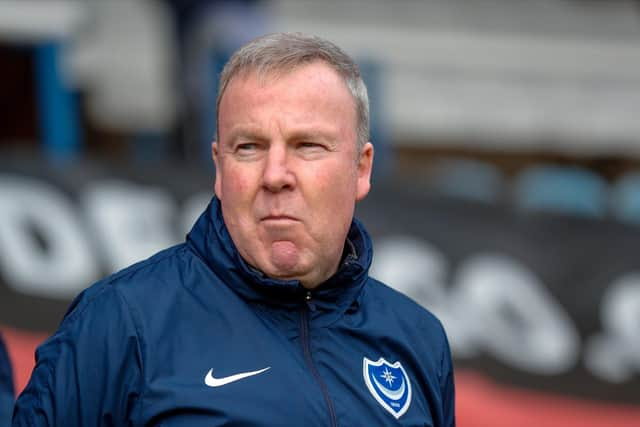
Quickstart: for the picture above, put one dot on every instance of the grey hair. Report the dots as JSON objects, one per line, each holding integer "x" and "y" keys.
{"x": 283, "y": 52}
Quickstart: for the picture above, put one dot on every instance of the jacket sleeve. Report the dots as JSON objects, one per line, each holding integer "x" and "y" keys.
{"x": 6, "y": 386}
{"x": 89, "y": 372}
{"x": 447, "y": 388}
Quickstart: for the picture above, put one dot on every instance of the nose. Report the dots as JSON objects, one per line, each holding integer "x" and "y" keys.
{"x": 277, "y": 174}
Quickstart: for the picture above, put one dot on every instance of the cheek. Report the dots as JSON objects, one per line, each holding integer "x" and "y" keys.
{"x": 340, "y": 182}
{"x": 333, "y": 191}
{"x": 324, "y": 181}
{"x": 235, "y": 182}
{"x": 335, "y": 176}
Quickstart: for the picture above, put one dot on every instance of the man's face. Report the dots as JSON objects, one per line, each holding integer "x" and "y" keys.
{"x": 288, "y": 170}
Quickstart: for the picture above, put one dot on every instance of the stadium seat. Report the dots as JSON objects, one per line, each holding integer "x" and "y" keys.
{"x": 471, "y": 180}
{"x": 625, "y": 198}
{"x": 567, "y": 190}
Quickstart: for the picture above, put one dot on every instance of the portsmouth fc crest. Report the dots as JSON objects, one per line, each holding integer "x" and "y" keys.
{"x": 389, "y": 385}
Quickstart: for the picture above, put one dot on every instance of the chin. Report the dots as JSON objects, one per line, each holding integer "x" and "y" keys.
{"x": 294, "y": 273}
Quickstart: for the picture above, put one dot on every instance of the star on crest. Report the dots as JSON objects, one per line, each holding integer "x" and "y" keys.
{"x": 388, "y": 376}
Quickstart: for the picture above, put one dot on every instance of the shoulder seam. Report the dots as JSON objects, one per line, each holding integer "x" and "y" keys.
{"x": 108, "y": 282}
{"x": 146, "y": 263}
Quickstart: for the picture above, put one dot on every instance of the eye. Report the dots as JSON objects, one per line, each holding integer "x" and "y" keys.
{"x": 306, "y": 145}
{"x": 247, "y": 146}
{"x": 247, "y": 150}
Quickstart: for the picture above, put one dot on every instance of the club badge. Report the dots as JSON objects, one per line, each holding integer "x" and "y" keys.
{"x": 388, "y": 384}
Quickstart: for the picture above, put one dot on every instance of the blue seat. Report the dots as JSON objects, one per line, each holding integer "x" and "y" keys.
{"x": 558, "y": 189}
{"x": 471, "y": 180}
{"x": 625, "y": 198}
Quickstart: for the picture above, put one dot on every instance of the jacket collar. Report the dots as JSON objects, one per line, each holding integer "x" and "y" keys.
{"x": 210, "y": 239}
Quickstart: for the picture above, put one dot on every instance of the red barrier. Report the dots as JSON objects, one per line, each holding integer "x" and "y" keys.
{"x": 21, "y": 346}
{"x": 480, "y": 403}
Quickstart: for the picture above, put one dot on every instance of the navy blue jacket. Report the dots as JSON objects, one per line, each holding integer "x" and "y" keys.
{"x": 6, "y": 386}
{"x": 194, "y": 336}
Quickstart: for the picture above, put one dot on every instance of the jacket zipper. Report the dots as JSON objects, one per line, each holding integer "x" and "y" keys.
{"x": 306, "y": 349}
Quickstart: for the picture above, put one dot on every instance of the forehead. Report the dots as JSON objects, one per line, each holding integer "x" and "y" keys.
{"x": 316, "y": 74}
{"x": 310, "y": 92}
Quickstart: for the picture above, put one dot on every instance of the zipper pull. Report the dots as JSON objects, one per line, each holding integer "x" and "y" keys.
{"x": 308, "y": 298}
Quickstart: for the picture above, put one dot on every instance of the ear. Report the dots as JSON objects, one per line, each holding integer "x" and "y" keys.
{"x": 216, "y": 162}
{"x": 365, "y": 165}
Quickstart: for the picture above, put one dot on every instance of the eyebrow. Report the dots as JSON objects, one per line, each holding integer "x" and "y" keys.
{"x": 243, "y": 132}
{"x": 254, "y": 133}
{"x": 313, "y": 135}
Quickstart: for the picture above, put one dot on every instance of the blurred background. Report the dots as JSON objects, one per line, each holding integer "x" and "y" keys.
{"x": 506, "y": 194}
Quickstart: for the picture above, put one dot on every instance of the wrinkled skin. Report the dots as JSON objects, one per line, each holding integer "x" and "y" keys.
{"x": 288, "y": 170}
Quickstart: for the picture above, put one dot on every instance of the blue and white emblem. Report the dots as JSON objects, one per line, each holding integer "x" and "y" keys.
{"x": 389, "y": 385}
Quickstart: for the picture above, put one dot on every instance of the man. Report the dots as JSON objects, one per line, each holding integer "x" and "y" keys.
{"x": 266, "y": 315}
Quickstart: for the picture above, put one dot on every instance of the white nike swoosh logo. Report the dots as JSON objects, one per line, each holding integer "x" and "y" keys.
{"x": 212, "y": 381}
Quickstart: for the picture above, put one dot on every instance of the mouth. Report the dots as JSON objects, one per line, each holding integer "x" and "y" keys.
{"x": 279, "y": 218}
